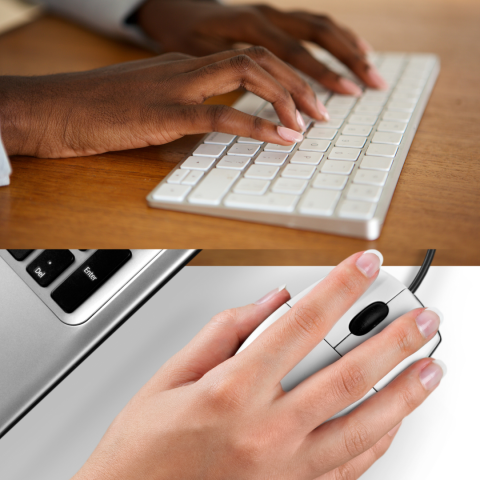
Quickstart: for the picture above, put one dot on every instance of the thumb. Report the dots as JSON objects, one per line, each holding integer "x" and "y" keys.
{"x": 218, "y": 340}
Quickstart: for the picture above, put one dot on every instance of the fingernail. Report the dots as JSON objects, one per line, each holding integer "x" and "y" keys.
{"x": 428, "y": 322}
{"x": 349, "y": 87}
{"x": 370, "y": 262}
{"x": 323, "y": 111}
{"x": 270, "y": 295}
{"x": 376, "y": 80}
{"x": 289, "y": 135}
{"x": 300, "y": 121}
{"x": 431, "y": 375}
{"x": 394, "y": 430}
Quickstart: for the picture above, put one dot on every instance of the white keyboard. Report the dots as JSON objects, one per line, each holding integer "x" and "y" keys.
{"x": 339, "y": 179}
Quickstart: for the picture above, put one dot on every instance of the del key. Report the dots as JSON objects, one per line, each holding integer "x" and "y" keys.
{"x": 89, "y": 277}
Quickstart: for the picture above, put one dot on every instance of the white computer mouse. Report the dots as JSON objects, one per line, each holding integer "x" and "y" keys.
{"x": 385, "y": 300}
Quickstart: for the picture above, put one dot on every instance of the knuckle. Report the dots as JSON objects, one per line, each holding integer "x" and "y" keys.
{"x": 410, "y": 398}
{"x": 345, "y": 472}
{"x": 356, "y": 438}
{"x": 346, "y": 284}
{"x": 379, "y": 449}
{"x": 305, "y": 319}
{"x": 241, "y": 64}
{"x": 258, "y": 126}
{"x": 219, "y": 115}
{"x": 227, "y": 317}
{"x": 350, "y": 382}
{"x": 403, "y": 339}
{"x": 260, "y": 52}
{"x": 225, "y": 393}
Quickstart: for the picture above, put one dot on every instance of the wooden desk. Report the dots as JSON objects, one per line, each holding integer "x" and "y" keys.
{"x": 100, "y": 201}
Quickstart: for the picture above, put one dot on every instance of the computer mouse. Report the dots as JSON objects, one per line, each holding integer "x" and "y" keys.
{"x": 385, "y": 300}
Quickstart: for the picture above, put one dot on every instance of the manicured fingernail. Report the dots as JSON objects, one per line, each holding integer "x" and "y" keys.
{"x": 289, "y": 135}
{"x": 300, "y": 121}
{"x": 394, "y": 430}
{"x": 431, "y": 375}
{"x": 349, "y": 87}
{"x": 376, "y": 80}
{"x": 370, "y": 262}
{"x": 323, "y": 111}
{"x": 270, "y": 295}
{"x": 428, "y": 322}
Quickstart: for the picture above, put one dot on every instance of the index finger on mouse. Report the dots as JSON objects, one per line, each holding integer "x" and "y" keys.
{"x": 285, "y": 343}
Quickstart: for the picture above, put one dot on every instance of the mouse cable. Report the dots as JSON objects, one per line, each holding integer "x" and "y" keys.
{"x": 417, "y": 281}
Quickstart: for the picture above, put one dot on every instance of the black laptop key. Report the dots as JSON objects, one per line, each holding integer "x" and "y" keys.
{"x": 88, "y": 278}
{"x": 49, "y": 265}
{"x": 20, "y": 254}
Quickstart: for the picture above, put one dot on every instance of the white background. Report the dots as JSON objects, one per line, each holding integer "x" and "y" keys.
{"x": 438, "y": 441}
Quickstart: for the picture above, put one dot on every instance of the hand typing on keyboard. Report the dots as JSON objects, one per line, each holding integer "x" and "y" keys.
{"x": 152, "y": 102}
{"x": 201, "y": 27}
{"x": 211, "y": 414}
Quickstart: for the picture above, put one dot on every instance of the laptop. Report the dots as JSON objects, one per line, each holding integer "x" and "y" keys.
{"x": 58, "y": 306}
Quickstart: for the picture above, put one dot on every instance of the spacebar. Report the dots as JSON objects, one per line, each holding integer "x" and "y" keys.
{"x": 271, "y": 202}
{"x": 88, "y": 278}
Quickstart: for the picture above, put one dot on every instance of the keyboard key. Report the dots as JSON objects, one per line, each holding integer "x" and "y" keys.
{"x": 376, "y": 163}
{"x": 330, "y": 182}
{"x": 350, "y": 141}
{"x": 233, "y": 162}
{"x": 350, "y": 154}
{"x": 193, "y": 177}
{"x": 178, "y": 175}
{"x": 298, "y": 171}
{"x": 273, "y": 147}
{"x": 307, "y": 158}
{"x": 20, "y": 254}
{"x": 338, "y": 167}
{"x": 243, "y": 149}
{"x": 357, "y": 210}
{"x": 368, "y": 193}
{"x": 402, "y": 105}
{"x": 89, "y": 277}
{"x": 49, "y": 265}
{"x": 376, "y": 101}
{"x": 403, "y": 96}
{"x": 197, "y": 163}
{"x": 249, "y": 140}
{"x": 338, "y": 112}
{"x": 322, "y": 133}
{"x": 396, "y": 116}
{"x": 271, "y": 202}
{"x": 292, "y": 186}
{"x": 263, "y": 172}
{"x": 209, "y": 150}
{"x": 368, "y": 109}
{"x": 332, "y": 123}
{"x": 381, "y": 150}
{"x": 171, "y": 193}
{"x": 359, "y": 130}
{"x": 337, "y": 100}
{"x": 388, "y": 138}
{"x": 267, "y": 158}
{"x": 362, "y": 119}
{"x": 217, "y": 138}
{"x": 213, "y": 187}
{"x": 251, "y": 186}
{"x": 394, "y": 127}
{"x": 370, "y": 177}
{"x": 319, "y": 202}
{"x": 314, "y": 145}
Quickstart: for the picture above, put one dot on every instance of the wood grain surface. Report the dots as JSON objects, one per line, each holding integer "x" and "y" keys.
{"x": 99, "y": 202}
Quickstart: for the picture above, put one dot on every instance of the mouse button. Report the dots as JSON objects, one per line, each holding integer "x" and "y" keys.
{"x": 264, "y": 325}
{"x": 320, "y": 357}
{"x": 298, "y": 297}
{"x": 366, "y": 320}
{"x": 426, "y": 351}
{"x": 370, "y": 393}
{"x": 383, "y": 289}
{"x": 402, "y": 303}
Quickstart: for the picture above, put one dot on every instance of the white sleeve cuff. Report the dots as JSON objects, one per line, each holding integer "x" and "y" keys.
{"x": 5, "y": 167}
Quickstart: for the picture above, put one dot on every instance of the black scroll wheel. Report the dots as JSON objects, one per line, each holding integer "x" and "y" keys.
{"x": 368, "y": 318}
